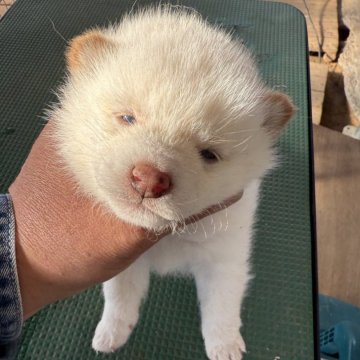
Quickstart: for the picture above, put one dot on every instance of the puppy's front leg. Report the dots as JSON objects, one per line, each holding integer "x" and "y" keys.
{"x": 221, "y": 289}
{"x": 123, "y": 295}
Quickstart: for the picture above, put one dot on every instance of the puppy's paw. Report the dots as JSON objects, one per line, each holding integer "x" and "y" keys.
{"x": 226, "y": 350}
{"x": 109, "y": 336}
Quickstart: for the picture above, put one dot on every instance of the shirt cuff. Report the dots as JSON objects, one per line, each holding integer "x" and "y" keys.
{"x": 11, "y": 317}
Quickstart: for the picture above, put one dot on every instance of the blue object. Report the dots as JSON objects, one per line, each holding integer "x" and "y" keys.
{"x": 339, "y": 329}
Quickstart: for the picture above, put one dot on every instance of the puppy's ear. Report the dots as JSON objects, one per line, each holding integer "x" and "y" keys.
{"x": 84, "y": 49}
{"x": 279, "y": 109}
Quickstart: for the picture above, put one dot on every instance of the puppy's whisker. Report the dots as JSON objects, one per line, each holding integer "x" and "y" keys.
{"x": 226, "y": 123}
{"x": 243, "y": 142}
{"x": 241, "y": 131}
{"x": 202, "y": 225}
{"x": 132, "y": 7}
{"x": 214, "y": 224}
{"x": 227, "y": 220}
{"x": 245, "y": 147}
{"x": 196, "y": 225}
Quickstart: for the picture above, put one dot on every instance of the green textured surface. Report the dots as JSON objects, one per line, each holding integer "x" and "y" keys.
{"x": 278, "y": 312}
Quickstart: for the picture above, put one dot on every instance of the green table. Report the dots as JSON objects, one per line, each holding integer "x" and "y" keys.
{"x": 280, "y": 317}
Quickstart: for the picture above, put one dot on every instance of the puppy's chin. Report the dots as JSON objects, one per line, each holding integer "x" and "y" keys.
{"x": 139, "y": 214}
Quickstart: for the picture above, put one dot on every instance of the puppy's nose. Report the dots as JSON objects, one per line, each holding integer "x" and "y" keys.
{"x": 149, "y": 181}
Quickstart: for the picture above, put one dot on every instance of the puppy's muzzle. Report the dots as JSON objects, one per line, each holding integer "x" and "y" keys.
{"x": 149, "y": 181}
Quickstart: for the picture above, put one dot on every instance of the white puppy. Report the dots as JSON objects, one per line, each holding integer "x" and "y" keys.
{"x": 161, "y": 117}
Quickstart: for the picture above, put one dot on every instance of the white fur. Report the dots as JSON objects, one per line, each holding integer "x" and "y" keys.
{"x": 190, "y": 87}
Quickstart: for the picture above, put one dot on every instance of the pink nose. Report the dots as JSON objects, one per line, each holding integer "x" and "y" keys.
{"x": 149, "y": 181}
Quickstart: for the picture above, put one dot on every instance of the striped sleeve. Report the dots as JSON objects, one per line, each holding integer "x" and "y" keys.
{"x": 10, "y": 300}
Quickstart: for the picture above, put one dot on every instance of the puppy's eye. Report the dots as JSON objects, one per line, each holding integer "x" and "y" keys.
{"x": 128, "y": 119}
{"x": 209, "y": 156}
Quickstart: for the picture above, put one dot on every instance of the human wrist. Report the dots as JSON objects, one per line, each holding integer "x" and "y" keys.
{"x": 10, "y": 299}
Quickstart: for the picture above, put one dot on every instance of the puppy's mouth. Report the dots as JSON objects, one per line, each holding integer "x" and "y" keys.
{"x": 152, "y": 206}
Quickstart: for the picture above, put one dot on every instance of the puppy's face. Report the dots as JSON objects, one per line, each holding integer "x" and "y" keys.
{"x": 161, "y": 125}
